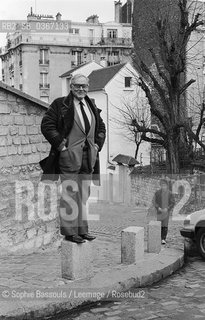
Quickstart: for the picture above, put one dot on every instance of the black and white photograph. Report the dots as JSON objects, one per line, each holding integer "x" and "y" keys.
{"x": 102, "y": 160}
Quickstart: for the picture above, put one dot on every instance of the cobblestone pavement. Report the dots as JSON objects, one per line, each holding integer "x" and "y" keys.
{"x": 180, "y": 297}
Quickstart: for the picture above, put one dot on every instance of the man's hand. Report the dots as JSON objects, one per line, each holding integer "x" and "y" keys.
{"x": 62, "y": 146}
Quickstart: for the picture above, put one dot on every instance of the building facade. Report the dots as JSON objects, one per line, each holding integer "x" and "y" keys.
{"x": 123, "y": 13}
{"x": 38, "y": 52}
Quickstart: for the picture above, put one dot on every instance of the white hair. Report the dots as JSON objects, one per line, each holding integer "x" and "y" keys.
{"x": 78, "y": 75}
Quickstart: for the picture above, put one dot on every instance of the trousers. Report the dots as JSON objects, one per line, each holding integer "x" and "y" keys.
{"x": 164, "y": 231}
{"x": 75, "y": 193}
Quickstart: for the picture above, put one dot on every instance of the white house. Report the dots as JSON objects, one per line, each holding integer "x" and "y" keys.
{"x": 115, "y": 89}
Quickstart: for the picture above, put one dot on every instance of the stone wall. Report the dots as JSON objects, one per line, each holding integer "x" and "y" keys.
{"x": 21, "y": 147}
{"x": 143, "y": 189}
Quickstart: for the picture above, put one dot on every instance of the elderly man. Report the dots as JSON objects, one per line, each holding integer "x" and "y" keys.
{"x": 74, "y": 128}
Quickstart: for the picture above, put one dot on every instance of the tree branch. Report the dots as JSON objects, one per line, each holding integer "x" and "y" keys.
{"x": 191, "y": 134}
{"x": 153, "y": 140}
{"x": 201, "y": 119}
{"x": 156, "y": 84}
{"x": 160, "y": 71}
{"x": 186, "y": 86}
{"x": 162, "y": 118}
{"x": 146, "y": 130}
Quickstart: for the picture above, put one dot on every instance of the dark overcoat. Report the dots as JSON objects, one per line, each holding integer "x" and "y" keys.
{"x": 163, "y": 200}
{"x": 56, "y": 126}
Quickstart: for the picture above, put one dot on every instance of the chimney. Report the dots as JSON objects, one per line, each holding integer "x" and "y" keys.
{"x": 93, "y": 19}
{"x": 58, "y": 16}
{"x": 118, "y": 11}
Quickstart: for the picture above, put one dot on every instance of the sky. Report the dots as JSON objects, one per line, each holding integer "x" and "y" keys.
{"x": 75, "y": 10}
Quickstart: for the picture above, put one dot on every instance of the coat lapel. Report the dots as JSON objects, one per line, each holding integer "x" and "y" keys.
{"x": 94, "y": 110}
{"x": 67, "y": 112}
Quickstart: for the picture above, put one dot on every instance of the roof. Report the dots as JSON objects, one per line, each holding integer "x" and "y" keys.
{"x": 69, "y": 73}
{"x": 100, "y": 77}
{"x": 125, "y": 159}
{"x": 23, "y": 95}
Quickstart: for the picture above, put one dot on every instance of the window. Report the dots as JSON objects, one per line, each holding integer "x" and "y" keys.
{"x": 113, "y": 57}
{"x": 113, "y": 53}
{"x": 12, "y": 81}
{"x": 112, "y": 33}
{"x": 20, "y": 58}
{"x": 74, "y": 31}
{"x": 128, "y": 82}
{"x": 76, "y": 58}
{"x": 91, "y": 36}
{"x": 44, "y": 80}
{"x": 112, "y": 63}
{"x": 43, "y": 56}
{"x": 20, "y": 82}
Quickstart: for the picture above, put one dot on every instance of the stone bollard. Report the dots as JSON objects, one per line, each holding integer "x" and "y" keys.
{"x": 76, "y": 260}
{"x": 132, "y": 245}
{"x": 154, "y": 237}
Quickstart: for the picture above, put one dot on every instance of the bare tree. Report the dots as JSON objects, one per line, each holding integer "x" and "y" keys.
{"x": 132, "y": 108}
{"x": 166, "y": 83}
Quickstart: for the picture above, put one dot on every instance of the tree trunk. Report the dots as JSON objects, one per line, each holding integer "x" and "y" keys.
{"x": 136, "y": 150}
{"x": 173, "y": 157}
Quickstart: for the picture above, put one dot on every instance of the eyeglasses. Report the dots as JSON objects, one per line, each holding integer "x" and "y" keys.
{"x": 78, "y": 86}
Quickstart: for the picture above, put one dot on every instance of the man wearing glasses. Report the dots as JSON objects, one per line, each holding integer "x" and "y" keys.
{"x": 74, "y": 128}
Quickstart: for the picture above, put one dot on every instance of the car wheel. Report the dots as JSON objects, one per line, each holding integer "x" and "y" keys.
{"x": 200, "y": 241}
{"x": 190, "y": 249}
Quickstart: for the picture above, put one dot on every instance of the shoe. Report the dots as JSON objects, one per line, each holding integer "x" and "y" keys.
{"x": 75, "y": 238}
{"x": 87, "y": 236}
{"x": 163, "y": 242}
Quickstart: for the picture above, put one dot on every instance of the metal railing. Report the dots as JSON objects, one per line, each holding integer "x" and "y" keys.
{"x": 44, "y": 85}
{"x": 44, "y": 62}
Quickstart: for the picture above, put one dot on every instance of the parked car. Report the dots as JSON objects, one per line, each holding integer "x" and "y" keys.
{"x": 194, "y": 228}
